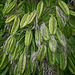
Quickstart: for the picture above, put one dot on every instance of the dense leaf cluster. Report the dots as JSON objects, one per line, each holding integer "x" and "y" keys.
{"x": 37, "y": 37}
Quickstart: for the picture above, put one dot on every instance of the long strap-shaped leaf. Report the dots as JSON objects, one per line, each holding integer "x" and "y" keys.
{"x": 64, "y": 7}
{"x": 11, "y": 18}
{"x": 42, "y": 53}
{"x": 46, "y": 34}
{"x": 52, "y": 44}
{"x": 3, "y": 59}
{"x": 15, "y": 54}
{"x": 24, "y": 20}
{"x": 20, "y": 5}
{"x": 10, "y": 44}
{"x": 61, "y": 37}
{"x": 22, "y": 63}
{"x": 52, "y": 25}
{"x": 28, "y": 37}
{"x": 71, "y": 66}
{"x": 10, "y": 7}
{"x": 39, "y": 9}
{"x": 32, "y": 16}
{"x": 63, "y": 61}
{"x": 15, "y": 25}
{"x": 51, "y": 57}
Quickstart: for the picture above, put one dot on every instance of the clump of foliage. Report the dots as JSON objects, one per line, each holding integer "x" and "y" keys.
{"x": 37, "y": 37}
